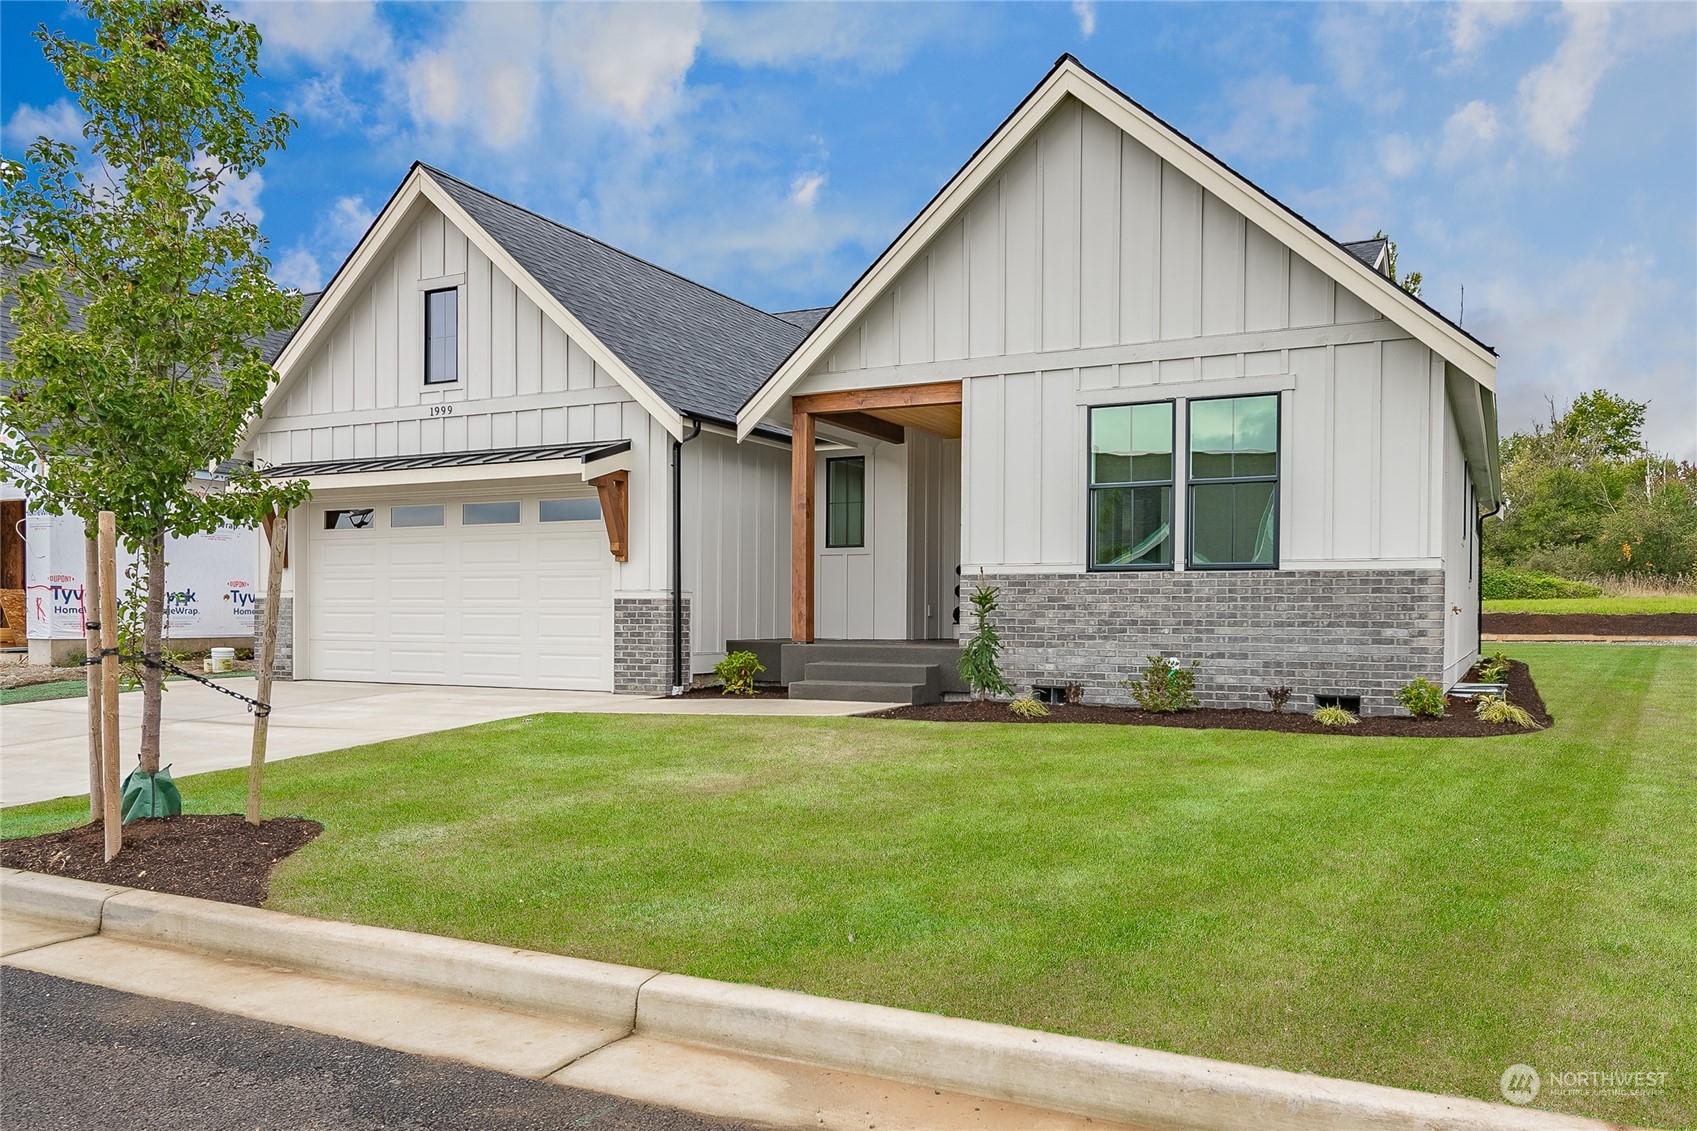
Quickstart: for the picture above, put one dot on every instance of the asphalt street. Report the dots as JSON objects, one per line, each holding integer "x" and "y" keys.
{"x": 75, "y": 1056}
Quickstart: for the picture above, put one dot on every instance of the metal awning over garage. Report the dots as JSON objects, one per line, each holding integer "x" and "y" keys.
{"x": 588, "y": 460}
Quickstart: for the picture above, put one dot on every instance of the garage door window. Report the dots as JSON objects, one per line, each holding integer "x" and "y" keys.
{"x": 431, "y": 515}
{"x": 360, "y": 519}
{"x": 489, "y": 514}
{"x": 569, "y": 510}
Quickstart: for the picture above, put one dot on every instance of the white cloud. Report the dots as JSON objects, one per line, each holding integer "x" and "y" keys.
{"x": 1351, "y": 37}
{"x": 1555, "y": 96}
{"x": 61, "y": 121}
{"x": 1400, "y": 155}
{"x": 1477, "y": 22}
{"x": 1085, "y": 10}
{"x": 630, "y": 59}
{"x": 1467, "y": 131}
{"x": 299, "y": 269}
{"x": 804, "y": 190}
{"x": 868, "y": 37}
{"x": 347, "y": 221}
{"x": 320, "y": 32}
{"x": 1271, "y": 116}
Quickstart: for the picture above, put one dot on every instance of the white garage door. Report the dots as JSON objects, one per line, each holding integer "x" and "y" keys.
{"x": 512, "y": 591}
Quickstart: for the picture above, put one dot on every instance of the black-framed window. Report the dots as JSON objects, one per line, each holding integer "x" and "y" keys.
{"x": 845, "y": 502}
{"x": 353, "y": 518}
{"x": 1131, "y": 486}
{"x": 1234, "y": 482}
{"x": 441, "y": 336}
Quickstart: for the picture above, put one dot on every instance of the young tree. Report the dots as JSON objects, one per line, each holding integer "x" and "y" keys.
{"x": 119, "y": 413}
{"x": 1410, "y": 282}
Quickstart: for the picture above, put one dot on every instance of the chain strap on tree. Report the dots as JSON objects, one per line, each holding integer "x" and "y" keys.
{"x": 259, "y": 710}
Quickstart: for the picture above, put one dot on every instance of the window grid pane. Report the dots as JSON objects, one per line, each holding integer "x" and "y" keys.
{"x": 488, "y": 514}
{"x": 1131, "y": 497}
{"x": 441, "y": 336}
{"x": 1234, "y": 468}
{"x": 569, "y": 510}
{"x": 845, "y": 502}
{"x": 430, "y": 514}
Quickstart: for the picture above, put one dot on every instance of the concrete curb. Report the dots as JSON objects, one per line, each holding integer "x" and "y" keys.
{"x": 528, "y": 981}
{"x": 1100, "y": 1079}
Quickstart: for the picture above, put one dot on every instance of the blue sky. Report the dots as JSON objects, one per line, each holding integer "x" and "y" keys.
{"x": 1542, "y": 156}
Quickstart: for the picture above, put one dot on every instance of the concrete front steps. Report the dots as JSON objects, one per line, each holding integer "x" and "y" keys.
{"x": 870, "y": 683}
{"x": 870, "y": 671}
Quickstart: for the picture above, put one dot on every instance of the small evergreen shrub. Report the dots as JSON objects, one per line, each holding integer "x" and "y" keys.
{"x": 980, "y": 657}
{"x": 1280, "y": 696}
{"x": 1493, "y": 709}
{"x": 1334, "y": 717}
{"x": 1530, "y": 585}
{"x": 1028, "y": 708}
{"x": 1494, "y": 668}
{"x": 1165, "y": 686}
{"x": 736, "y": 673}
{"x": 1423, "y": 698}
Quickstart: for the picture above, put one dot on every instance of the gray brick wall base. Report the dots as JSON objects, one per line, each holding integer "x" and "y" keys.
{"x": 1327, "y": 632}
{"x": 642, "y": 645}
{"x": 284, "y": 666}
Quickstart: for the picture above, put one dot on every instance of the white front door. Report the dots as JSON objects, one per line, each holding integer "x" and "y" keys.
{"x": 495, "y": 590}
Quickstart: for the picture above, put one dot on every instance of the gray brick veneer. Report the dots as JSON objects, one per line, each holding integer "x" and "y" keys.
{"x": 283, "y": 666}
{"x": 1328, "y": 632}
{"x": 642, "y": 644}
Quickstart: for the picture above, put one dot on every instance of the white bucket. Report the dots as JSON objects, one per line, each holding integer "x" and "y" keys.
{"x": 223, "y": 659}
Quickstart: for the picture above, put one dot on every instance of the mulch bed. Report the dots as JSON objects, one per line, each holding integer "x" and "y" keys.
{"x": 761, "y": 691}
{"x": 211, "y": 857}
{"x": 1458, "y": 723}
{"x": 1591, "y": 624}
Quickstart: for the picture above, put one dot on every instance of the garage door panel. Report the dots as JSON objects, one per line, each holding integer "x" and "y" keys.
{"x": 505, "y": 606}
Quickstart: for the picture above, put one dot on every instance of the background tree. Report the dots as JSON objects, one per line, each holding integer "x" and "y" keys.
{"x": 1410, "y": 282}
{"x": 173, "y": 289}
{"x": 1585, "y": 496}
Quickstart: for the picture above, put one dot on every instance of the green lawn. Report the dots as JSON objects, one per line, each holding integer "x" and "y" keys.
{"x": 1420, "y": 913}
{"x": 1609, "y": 605}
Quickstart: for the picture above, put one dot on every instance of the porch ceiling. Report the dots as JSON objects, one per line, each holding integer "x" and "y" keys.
{"x": 938, "y": 419}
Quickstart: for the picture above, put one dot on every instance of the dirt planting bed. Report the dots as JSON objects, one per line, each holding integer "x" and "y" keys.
{"x": 1457, "y": 723}
{"x": 1647, "y": 625}
{"x": 212, "y": 857}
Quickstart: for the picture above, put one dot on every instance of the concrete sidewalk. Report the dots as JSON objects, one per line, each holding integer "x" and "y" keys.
{"x": 44, "y": 746}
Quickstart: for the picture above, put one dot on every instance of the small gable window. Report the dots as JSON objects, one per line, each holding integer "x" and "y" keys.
{"x": 441, "y": 336}
{"x": 845, "y": 502}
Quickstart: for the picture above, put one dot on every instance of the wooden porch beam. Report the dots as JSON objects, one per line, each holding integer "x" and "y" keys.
{"x": 859, "y": 400}
{"x": 801, "y": 528}
{"x": 867, "y": 425}
{"x": 614, "y": 489}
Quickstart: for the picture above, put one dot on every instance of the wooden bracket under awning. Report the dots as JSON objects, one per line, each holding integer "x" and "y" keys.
{"x": 614, "y": 488}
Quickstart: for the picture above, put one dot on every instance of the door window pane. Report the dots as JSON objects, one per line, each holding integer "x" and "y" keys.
{"x": 845, "y": 502}
{"x": 360, "y": 519}
{"x": 488, "y": 514}
{"x": 429, "y": 515}
{"x": 569, "y": 510}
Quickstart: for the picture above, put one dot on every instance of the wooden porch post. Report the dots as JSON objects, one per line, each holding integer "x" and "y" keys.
{"x": 801, "y": 528}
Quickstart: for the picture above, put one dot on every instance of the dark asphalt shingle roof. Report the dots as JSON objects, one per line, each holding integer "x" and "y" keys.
{"x": 1368, "y": 251}
{"x": 272, "y": 348}
{"x": 704, "y": 353}
{"x": 805, "y": 319}
{"x": 9, "y": 329}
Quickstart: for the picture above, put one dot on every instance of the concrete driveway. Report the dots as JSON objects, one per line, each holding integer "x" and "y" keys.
{"x": 44, "y": 746}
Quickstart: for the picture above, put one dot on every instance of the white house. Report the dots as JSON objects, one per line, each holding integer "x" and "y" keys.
{"x": 1156, "y": 409}
{"x": 492, "y": 410}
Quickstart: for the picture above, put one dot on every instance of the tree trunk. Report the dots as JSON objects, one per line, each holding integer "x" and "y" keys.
{"x": 266, "y": 663}
{"x": 153, "y": 636}
{"x": 110, "y": 754}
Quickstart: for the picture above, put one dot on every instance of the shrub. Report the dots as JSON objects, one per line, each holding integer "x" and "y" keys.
{"x": 1165, "y": 686}
{"x": 1492, "y": 709}
{"x": 737, "y": 671}
{"x": 1028, "y": 708}
{"x": 979, "y": 662}
{"x": 1334, "y": 717}
{"x": 1528, "y": 585}
{"x": 1423, "y": 698}
{"x": 1280, "y": 696}
{"x": 1494, "y": 668}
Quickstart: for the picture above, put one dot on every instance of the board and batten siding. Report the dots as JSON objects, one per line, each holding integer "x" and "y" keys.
{"x": 736, "y": 539}
{"x": 523, "y": 383}
{"x": 1087, "y": 239}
